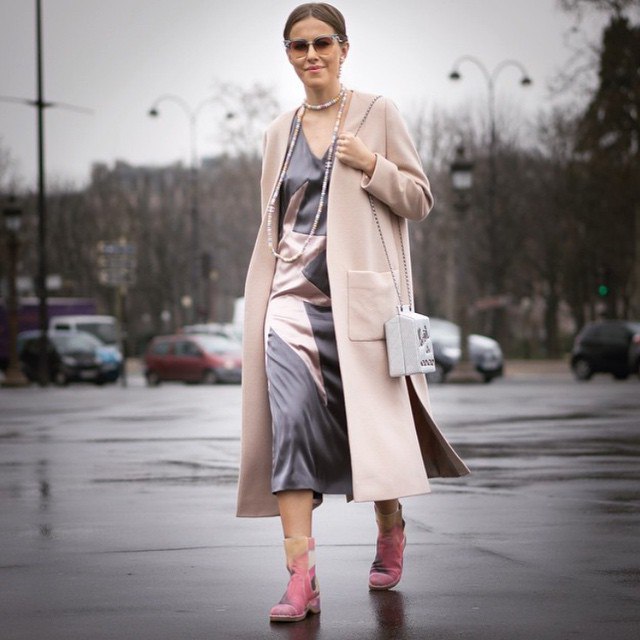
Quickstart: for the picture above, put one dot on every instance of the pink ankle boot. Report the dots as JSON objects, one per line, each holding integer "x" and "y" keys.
{"x": 303, "y": 592}
{"x": 386, "y": 569}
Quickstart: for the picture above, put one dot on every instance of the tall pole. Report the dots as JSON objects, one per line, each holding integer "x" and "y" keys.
{"x": 462, "y": 272}
{"x": 43, "y": 372}
{"x": 121, "y": 310}
{"x": 194, "y": 236}
{"x": 493, "y": 183}
{"x": 195, "y": 221}
{"x": 12, "y": 306}
{"x": 492, "y": 187}
{"x": 41, "y": 274}
{"x": 194, "y": 208}
{"x": 462, "y": 182}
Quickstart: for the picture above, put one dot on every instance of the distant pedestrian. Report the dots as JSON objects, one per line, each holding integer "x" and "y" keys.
{"x": 321, "y": 415}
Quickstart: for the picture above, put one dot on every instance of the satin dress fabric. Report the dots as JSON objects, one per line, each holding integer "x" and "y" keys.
{"x": 310, "y": 443}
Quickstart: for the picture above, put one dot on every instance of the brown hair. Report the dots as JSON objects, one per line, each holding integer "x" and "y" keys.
{"x": 321, "y": 11}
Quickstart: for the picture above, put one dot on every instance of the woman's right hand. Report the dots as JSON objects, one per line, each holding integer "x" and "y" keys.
{"x": 351, "y": 151}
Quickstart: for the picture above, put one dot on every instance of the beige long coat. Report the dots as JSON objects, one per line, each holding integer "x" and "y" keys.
{"x": 394, "y": 442}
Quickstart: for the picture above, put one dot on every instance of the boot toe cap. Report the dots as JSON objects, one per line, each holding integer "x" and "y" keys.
{"x": 382, "y": 581}
{"x": 287, "y": 613}
{"x": 284, "y": 611}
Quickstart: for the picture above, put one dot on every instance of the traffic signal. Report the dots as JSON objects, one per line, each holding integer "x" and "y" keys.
{"x": 603, "y": 290}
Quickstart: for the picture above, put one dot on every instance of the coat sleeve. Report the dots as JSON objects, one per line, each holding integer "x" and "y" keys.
{"x": 398, "y": 179}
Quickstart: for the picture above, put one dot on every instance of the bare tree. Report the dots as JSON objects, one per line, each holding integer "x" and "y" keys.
{"x": 249, "y": 111}
{"x": 614, "y": 7}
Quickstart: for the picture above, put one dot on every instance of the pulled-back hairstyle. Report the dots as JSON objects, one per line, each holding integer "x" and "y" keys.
{"x": 321, "y": 11}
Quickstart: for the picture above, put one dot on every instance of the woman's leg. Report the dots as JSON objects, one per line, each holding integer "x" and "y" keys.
{"x": 387, "y": 507}
{"x": 303, "y": 594}
{"x": 295, "y": 512}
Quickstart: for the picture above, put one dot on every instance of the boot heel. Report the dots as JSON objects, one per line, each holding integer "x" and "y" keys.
{"x": 314, "y": 605}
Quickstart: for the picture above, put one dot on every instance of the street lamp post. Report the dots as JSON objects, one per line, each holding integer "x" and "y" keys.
{"x": 12, "y": 214}
{"x": 491, "y": 78}
{"x": 41, "y": 278}
{"x": 462, "y": 181}
{"x": 192, "y": 114}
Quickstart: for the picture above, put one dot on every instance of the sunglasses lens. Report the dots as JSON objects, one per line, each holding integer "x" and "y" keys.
{"x": 299, "y": 46}
{"x": 322, "y": 44}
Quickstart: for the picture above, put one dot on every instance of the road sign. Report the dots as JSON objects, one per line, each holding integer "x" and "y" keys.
{"x": 117, "y": 263}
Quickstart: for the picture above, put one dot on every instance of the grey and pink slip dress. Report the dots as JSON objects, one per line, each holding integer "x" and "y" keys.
{"x": 310, "y": 444}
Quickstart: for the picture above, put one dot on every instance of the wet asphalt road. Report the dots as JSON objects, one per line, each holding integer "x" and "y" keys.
{"x": 117, "y": 521}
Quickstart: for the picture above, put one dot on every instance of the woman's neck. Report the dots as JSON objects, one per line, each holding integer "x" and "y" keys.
{"x": 316, "y": 96}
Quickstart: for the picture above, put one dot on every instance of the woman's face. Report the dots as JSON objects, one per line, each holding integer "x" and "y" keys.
{"x": 316, "y": 69}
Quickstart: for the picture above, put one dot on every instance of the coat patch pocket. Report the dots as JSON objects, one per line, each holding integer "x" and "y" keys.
{"x": 372, "y": 301}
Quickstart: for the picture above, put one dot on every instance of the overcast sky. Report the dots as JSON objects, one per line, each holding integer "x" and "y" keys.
{"x": 117, "y": 56}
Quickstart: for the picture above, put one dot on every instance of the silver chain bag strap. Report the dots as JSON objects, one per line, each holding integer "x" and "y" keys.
{"x": 407, "y": 333}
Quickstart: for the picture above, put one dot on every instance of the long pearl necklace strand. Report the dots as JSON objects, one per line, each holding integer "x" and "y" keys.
{"x": 328, "y": 165}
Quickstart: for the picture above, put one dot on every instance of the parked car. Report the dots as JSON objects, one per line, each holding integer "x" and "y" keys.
{"x": 193, "y": 358}
{"x": 606, "y": 346}
{"x": 105, "y": 328}
{"x": 71, "y": 356}
{"x": 485, "y": 353}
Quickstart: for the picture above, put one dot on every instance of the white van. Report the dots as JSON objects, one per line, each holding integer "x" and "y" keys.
{"x": 105, "y": 328}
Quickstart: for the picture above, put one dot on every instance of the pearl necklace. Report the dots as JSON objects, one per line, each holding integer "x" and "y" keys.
{"x": 327, "y": 171}
{"x": 325, "y": 105}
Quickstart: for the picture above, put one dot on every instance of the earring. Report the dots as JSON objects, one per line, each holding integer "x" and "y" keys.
{"x": 340, "y": 68}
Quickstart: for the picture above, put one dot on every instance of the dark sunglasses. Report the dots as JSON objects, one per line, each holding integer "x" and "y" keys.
{"x": 321, "y": 44}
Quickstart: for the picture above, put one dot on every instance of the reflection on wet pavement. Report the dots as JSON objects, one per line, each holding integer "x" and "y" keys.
{"x": 388, "y": 608}
{"x": 119, "y": 503}
{"x": 307, "y": 629}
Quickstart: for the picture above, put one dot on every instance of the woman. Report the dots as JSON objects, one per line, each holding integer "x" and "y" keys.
{"x": 320, "y": 412}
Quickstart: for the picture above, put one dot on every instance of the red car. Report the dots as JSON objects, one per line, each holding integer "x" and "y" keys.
{"x": 193, "y": 358}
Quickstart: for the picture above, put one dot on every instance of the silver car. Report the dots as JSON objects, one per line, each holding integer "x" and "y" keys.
{"x": 485, "y": 353}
